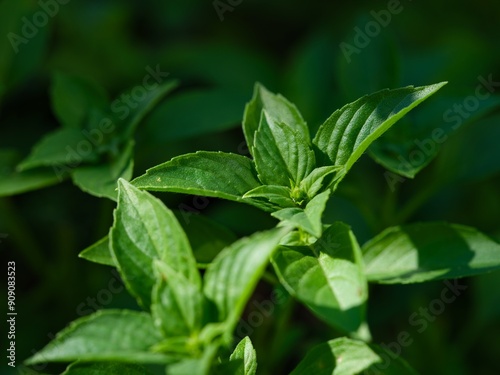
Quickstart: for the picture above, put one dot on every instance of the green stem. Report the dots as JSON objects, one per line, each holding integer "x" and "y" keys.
{"x": 270, "y": 278}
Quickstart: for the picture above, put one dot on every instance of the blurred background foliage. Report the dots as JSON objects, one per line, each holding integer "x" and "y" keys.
{"x": 293, "y": 48}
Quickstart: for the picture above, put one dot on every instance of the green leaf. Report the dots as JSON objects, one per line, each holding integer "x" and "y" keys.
{"x": 348, "y": 132}
{"x": 22, "y": 182}
{"x": 13, "y": 182}
{"x": 198, "y": 366}
{"x": 282, "y": 156}
{"x": 315, "y": 181}
{"x": 341, "y": 356}
{"x": 195, "y": 113}
{"x": 101, "y": 180}
{"x": 80, "y": 368}
{"x": 145, "y": 230}
{"x": 99, "y": 252}
{"x": 327, "y": 277}
{"x": 66, "y": 146}
{"x": 309, "y": 218}
{"x": 429, "y": 251}
{"x": 234, "y": 273}
{"x": 188, "y": 367}
{"x": 211, "y": 174}
{"x": 281, "y": 110}
{"x": 177, "y": 306}
{"x": 245, "y": 352}
{"x": 107, "y": 335}
{"x": 73, "y": 97}
{"x": 132, "y": 117}
{"x": 407, "y": 148}
{"x": 277, "y": 195}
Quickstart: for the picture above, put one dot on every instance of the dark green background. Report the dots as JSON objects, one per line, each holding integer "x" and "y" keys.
{"x": 293, "y": 48}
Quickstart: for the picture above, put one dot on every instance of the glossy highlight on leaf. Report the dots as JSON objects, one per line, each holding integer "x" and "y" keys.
{"x": 245, "y": 352}
{"x": 282, "y": 155}
{"x": 99, "y": 252}
{"x": 279, "y": 107}
{"x": 341, "y": 356}
{"x": 101, "y": 180}
{"x": 348, "y": 132}
{"x": 190, "y": 320}
{"x": 145, "y": 230}
{"x": 177, "y": 303}
{"x": 211, "y": 174}
{"x": 429, "y": 251}
{"x": 111, "y": 335}
{"x": 327, "y": 277}
{"x": 232, "y": 276}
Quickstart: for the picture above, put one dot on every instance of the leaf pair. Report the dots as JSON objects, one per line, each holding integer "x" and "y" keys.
{"x": 188, "y": 318}
{"x": 156, "y": 262}
{"x": 327, "y": 276}
{"x": 128, "y": 348}
{"x": 289, "y": 172}
{"x": 330, "y": 276}
{"x": 282, "y": 159}
{"x": 278, "y": 139}
{"x": 94, "y": 144}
